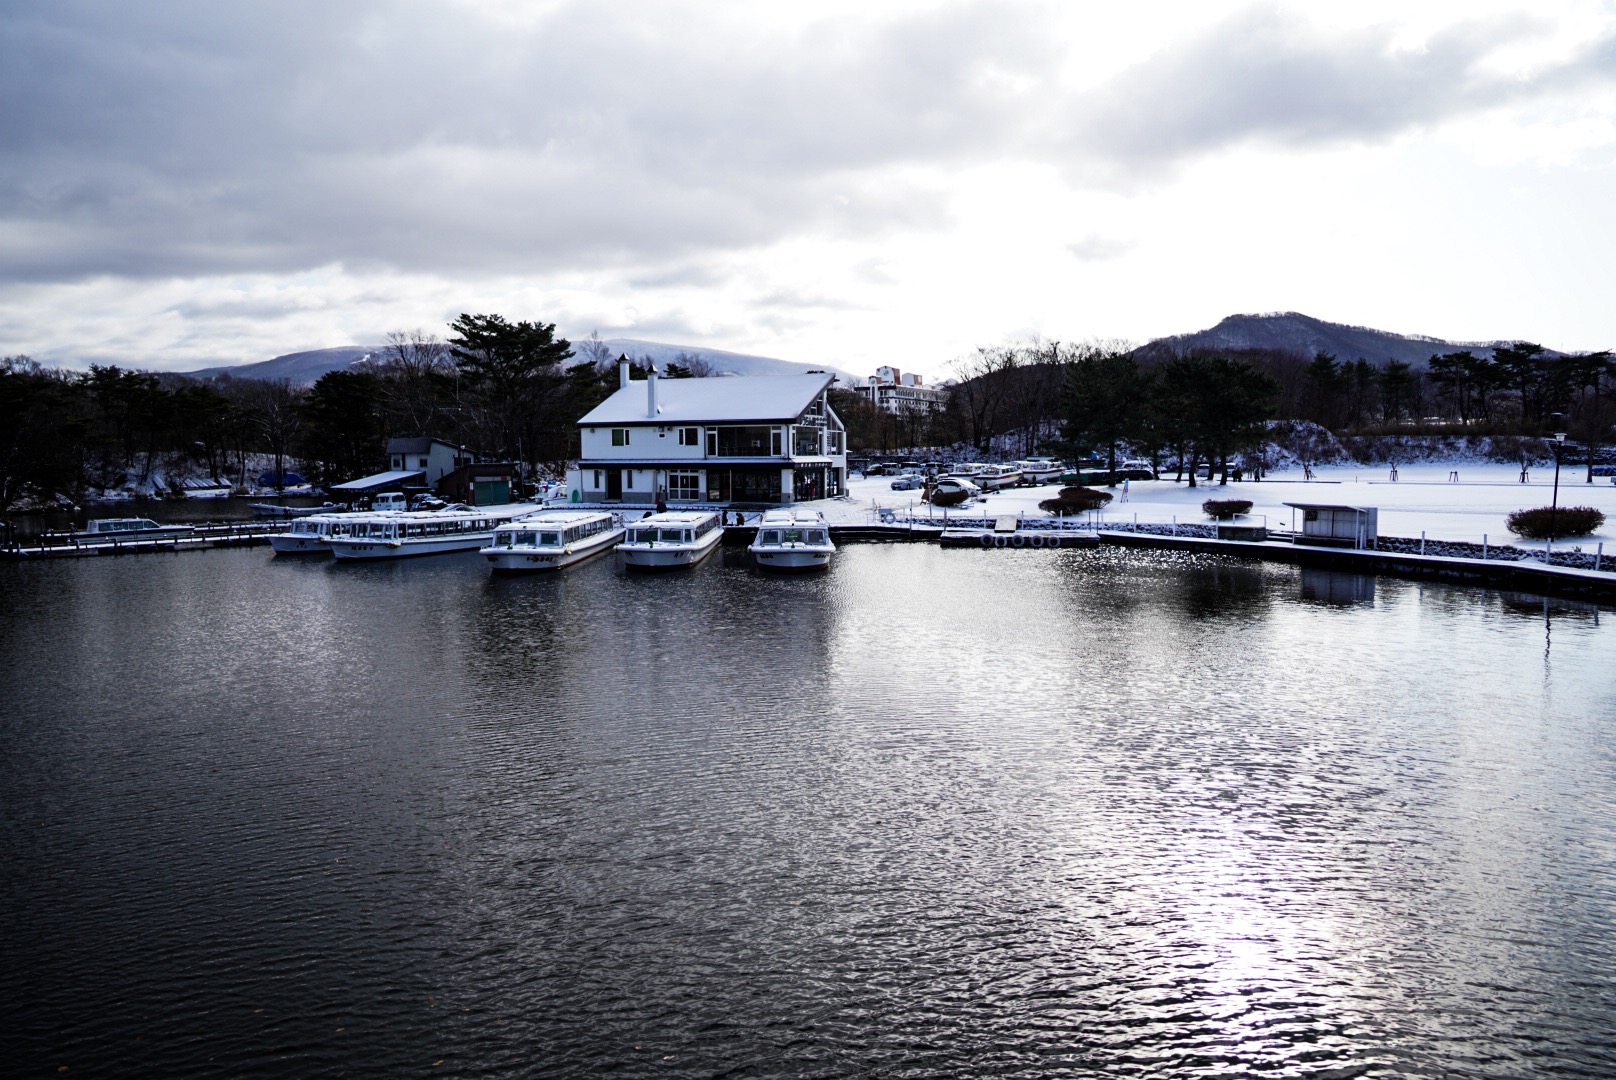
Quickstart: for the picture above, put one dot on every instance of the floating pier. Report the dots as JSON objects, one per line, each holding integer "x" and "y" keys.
{"x": 201, "y": 537}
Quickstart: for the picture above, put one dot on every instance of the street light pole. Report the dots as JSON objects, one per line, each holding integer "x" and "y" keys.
{"x": 1554, "y": 501}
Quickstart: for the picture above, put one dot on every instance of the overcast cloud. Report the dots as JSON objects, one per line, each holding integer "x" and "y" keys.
{"x": 200, "y": 180}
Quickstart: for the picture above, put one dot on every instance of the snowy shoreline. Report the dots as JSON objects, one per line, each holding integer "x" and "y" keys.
{"x": 1422, "y": 500}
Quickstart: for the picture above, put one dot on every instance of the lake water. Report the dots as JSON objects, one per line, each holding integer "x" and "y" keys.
{"x": 933, "y": 813}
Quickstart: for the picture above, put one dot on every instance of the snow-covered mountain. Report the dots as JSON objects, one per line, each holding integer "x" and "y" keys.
{"x": 304, "y": 368}
{"x": 1294, "y": 332}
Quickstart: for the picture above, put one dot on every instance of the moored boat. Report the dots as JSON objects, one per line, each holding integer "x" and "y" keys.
{"x": 306, "y": 535}
{"x": 552, "y": 539}
{"x": 393, "y": 534}
{"x": 792, "y": 539}
{"x": 671, "y": 540}
{"x": 119, "y": 529}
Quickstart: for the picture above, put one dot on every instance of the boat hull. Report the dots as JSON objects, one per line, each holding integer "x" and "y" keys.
{"x": 669, "y": 556}
{"x": 360, "y": 548}
{"x": 302, "y": 544}
{"x": 786, "y": 559}
{"x": 532, "y": 560}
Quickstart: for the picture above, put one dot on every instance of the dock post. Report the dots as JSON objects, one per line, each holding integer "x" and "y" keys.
{"x": 1483, "y": 547}
{"x": 1175, "y": 524}
{"x": 1422, "y": 541}
{"x": 1599, "y": 554}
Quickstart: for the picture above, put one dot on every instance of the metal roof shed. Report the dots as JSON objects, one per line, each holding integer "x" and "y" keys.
{"x": 1335, "y": 526}
{"x": 377, "y": 481}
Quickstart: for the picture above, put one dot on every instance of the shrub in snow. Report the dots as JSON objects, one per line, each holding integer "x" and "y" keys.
{"x": 949, "y": 498}
{"x": 1546, "y": 523}
{"x": 1223, "y": 509}
{"x": 1075, "y": 500}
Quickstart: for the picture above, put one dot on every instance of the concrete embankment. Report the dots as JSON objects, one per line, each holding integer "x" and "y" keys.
{"x": 1522, "y": 576}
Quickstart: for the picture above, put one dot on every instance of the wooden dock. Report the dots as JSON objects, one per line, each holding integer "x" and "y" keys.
{"x": 202, "y": 537}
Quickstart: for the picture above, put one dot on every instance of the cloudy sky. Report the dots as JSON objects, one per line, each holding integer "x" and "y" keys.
{"x": 852, "y": 183}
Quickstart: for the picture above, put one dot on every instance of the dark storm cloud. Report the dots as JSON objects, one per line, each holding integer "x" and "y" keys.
{"x": 171, "y": 139}
{"x": 153, "y": 139}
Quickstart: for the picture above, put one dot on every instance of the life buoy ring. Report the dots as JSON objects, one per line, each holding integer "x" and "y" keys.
{"x": 1018, "y": 540}
{"x": 987, "y": 540}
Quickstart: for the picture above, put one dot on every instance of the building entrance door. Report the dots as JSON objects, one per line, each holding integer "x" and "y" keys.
{"x": 614, "y": 485}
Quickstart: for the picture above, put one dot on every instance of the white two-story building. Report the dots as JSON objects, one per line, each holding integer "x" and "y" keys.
{"x": 733, "y": 439}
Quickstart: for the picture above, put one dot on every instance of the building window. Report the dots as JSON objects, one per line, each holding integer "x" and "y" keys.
{"x": 423, "y": 463}
{"x": 776, "y": 444}
{"x": 619, "y": 436}
{"x": 689, "y": 436}
{"x": 684, "y": 486}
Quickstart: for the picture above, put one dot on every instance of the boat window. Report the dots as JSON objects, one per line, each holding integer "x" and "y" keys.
{"x": 793, "y": 536}
{"x": 526, "y": 539}
{"x": 814, "y": 537}
{"x": 672, "y": 536}
{"x": 548, "y": 539}
{"x": 641, "y": 536}
{"x": 769, "y": 536}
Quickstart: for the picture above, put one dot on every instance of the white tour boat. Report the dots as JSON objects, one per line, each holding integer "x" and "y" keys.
{"x": 792, "y": 539}
{"x": 671, "y": 539}
{"x": 306, "y": 535}
{"x": 395, "y": 534}
{"x": 552, "y": 539}
{"x": 997, "y": 477}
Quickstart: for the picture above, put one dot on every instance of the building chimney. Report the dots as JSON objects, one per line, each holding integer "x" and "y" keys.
{"x": 623, "y": 366}
{"x": 650, "y": 391}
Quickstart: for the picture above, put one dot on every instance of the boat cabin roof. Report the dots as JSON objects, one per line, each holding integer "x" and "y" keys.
{"x": 791, "y": 515}
{"x": 556, "y": 519}
{"x": 674, "y": 517}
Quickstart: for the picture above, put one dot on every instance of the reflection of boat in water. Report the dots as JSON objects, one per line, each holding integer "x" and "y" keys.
{"x": 552, "y": 539}
{"x": 1009, "y": 532}
{"x": 130, "y": 528}
{"x": 393, "y": 534}
{"x": 671, "y": 540}
{"x": 792, "y": 539}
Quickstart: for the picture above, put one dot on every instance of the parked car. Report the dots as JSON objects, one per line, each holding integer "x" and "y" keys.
{"x": 908, "y": 482}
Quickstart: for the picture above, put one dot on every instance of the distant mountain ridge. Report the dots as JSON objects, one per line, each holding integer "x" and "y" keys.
{"x": 1292, "y": 331}
{"x": 305, "y": 368}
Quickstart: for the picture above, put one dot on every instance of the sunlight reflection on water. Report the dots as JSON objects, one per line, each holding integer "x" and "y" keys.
{"x": 933, "y": 812}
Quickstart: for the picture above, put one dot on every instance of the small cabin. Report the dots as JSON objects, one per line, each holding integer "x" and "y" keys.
{"x": 1333, "y": 526}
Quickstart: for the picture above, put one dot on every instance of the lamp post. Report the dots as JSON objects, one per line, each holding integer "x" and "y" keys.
{"x": 1554, "y": 500}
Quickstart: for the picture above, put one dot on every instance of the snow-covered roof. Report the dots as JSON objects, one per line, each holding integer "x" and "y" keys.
{"x": 707, "y": 401}
{"x": 381, "y": 479}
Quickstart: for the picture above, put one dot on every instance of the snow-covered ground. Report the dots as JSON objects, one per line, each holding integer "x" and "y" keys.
{"x": 1423, "y": 498}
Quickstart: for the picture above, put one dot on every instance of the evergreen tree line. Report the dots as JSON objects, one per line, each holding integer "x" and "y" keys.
{"x": 1049, "y": 397}
{"x": 504, "y": 389}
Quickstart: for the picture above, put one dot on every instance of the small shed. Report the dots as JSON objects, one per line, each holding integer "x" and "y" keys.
{"x": 486, "y": 484}
{"x": 1334, "y": 526}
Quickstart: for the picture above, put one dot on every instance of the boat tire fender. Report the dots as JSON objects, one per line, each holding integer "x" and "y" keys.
{"x": 1018, "y": 541}
{"x": 987, "y": 540}
{"x": 998, "y": 541}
